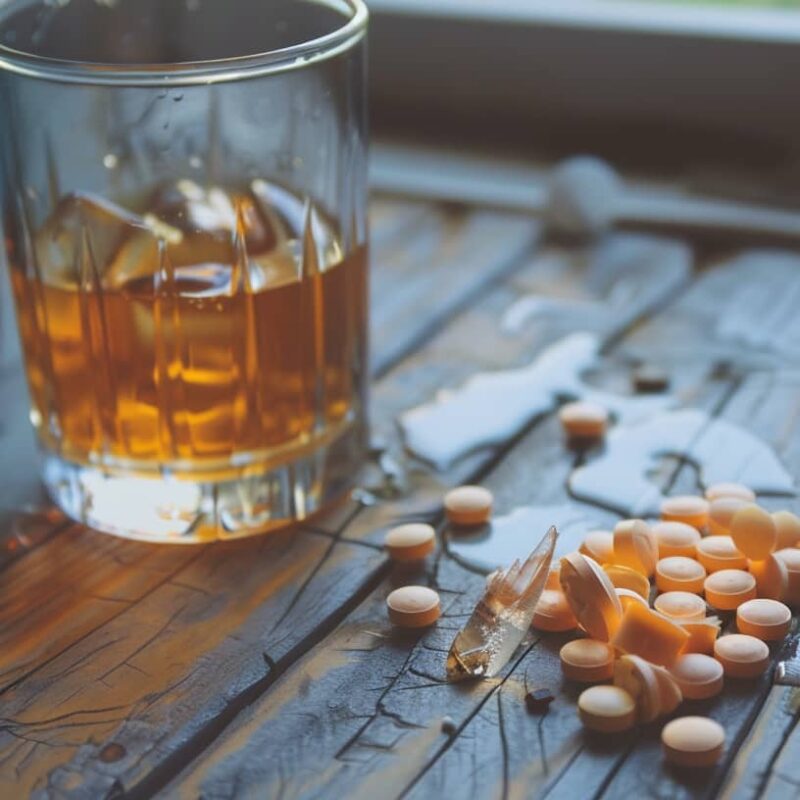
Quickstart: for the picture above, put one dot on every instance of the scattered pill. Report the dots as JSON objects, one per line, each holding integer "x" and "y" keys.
{"x": 648, "y": 379}
{"x": 753, "y": 532}
{"x": 587, "y": 660}
{"x": 767, "y": 620}
{"x": 772, "y": 577}
{"x": 553, "y": 612}
{"x": 413, "y": 606}
{"x": 607, "y": 709}
{"x": 627, "y": 578}
{"x": 410, "y": 542}
{"x": 686, "y": 508}
{"x": 721, "y": 512}
{"x": 702, "y": 635}
{"x": 787, "y": 526}
{"x": 676, "y": 539}
{"x": 468, "y": 505}
{"x": 671, "y": 695}
{"x": 681, "y": 606}
{"x": 741, "y": 655}
{"x": 538, "y": 701}
{"x": 718, "y": 490}
{"x": 790, "y": 557}
{"x": 680, "y": 574}
{"x": 719, "y": 552}
{"x": 693, "y": 741}
{"x": 635, "y": 546}
{"x": 636, "y": 676}
{"x": 627, "y": 596}
{"x": 599, "y": 545}
{"x": 648, "y": 634}
{"x": 591, "y": 596}
{"x": 583, "y": 420}
{"x": 699, "y": 676}
{"x": 727, "y": 589}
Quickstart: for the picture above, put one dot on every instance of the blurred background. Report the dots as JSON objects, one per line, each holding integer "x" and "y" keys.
{"x": 700, "y": 93}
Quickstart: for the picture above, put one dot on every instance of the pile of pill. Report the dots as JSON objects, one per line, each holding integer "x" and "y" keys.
{"x": 718, "y": 553}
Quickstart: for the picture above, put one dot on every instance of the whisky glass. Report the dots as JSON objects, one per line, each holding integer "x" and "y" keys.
{"x": 183, "y": 206}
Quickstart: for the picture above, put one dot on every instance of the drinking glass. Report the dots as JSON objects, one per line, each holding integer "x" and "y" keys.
{"x": 183, "y": 203}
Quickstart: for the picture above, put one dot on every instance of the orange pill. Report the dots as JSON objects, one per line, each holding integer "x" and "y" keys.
{"x": 753, "y": 532}
{"x": 468, "y": 505}
{"x": 591, "y": 596}
{"x": 790, "y": 557}
{"x": 627, "y": 596}
{"x": 554, "y": 578}
{"x": 741, "y": 656}
{"x": 681, "y": 606}
{"x": 686, "y": 508}
{"x": 637, "y": 677}
{"x": 720, "y": 514}
{"x": 772, "y": 577}
{"x": 587, "y": 660}
{"x": 719, "y": 552}
{"x": 787, "y": 526}
{"x": 410, "y": 542}
{"x": 702, "y": 635}
{"x": 553, "y": 612}
{"x": 676, "y": 539}
{"x": 635, "y": 546}
{"x": 730, "y": 490}
{"x": 599, "y": 545}
{"x": 693, "y": 741}
{"x": 699, "y": 676}
{"x": 607, "y": 709}
{"x": 413, "y": 606}
{"x": 680, "y": 574}
{"x": 670, "y": 692}
{"x": 648, "y": 634}
{"x": 727, "y": 589}
{"x": 767, "y": 620}
{"x": 627, "y": 578}
{"x": 582, "y": 420}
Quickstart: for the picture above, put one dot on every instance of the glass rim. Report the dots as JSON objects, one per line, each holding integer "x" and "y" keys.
{"x": 187, "y": 73}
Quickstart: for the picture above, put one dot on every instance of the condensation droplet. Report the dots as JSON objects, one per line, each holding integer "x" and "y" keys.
{"x": 195, "y": 162}
{"x": 110, "y": 161}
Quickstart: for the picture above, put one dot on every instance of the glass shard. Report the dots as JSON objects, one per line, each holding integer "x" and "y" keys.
{"x": 502, "y": 616}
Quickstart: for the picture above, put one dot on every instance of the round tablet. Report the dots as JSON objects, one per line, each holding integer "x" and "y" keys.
{"x": 772, "y": 577}
{"x": 699, "y": 676}
{"x": 583, "y": 420}
{"x": 719, "y": 552}
{"x": 553, "y": 613}
{"x": 587, "y": 660}
{"x": 413, "y": 606}
{"x": 410, "y": 542}
{"x": 599, "y": 545}
{"x": 591, "y": 596}
{"x": 679, "y": 573}
{"x": 718, "y": 490}
{"x": 627, "y": 578}
{"x": 790, "y": 557}
{"x": 741, "y": 656}
{"x": 468, "y": 505}
{"x": 720, "y": 514}
{"x": 608, "y": 709}
{"x": 685, "y": 508}
{"x": 681, "y": 606}
{"x": 693, "y": 741}
{"x": 753, "y": 532}
{"x": 767, "y": 620}
{"x": 729, "y": 588}
{"x": 787, "y": 526}
{"x": 626, "y": 596}
{"x": 635, "y": 546}
{"x": 676, "y": 539}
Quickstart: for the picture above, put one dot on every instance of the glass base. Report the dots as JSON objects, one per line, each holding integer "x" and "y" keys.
{"x": 183, "y": 511}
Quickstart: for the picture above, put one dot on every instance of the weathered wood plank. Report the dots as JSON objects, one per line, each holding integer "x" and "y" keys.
{"x": 177, "y": 733}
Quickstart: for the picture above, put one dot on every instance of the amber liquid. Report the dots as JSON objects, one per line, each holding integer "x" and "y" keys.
{"x": 210, "y": 333}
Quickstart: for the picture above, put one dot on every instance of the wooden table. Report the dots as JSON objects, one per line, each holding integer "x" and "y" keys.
{"x": 267, "y": 667}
